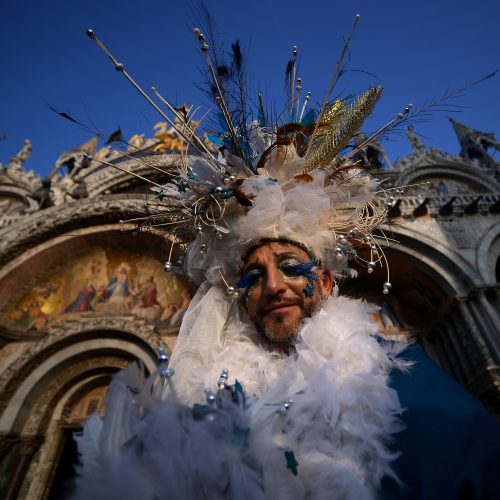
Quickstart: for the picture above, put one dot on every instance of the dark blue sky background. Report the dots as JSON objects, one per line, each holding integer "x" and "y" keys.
{"x": 416, "y": 50}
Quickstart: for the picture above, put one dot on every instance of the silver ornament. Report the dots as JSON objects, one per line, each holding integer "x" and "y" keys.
{"x": 168, "y": 266}
{"x": 167, "y": 372}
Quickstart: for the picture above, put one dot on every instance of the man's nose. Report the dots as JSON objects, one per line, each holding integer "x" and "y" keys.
{"x": 274, "y": 284}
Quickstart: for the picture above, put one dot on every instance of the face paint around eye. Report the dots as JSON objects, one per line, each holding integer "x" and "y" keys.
{"x": 302, "y": 269}
{"x": 309, "y": 290}
{"x": 248, "y": 280}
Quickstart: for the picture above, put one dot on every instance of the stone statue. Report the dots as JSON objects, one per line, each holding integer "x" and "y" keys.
{"x": 416, "y": 143}
{"x": 474, "y": 145}
{"x": 373, "y": 155}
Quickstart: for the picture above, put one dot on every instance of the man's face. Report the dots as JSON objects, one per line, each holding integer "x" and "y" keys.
{"x": 281, "y": 290}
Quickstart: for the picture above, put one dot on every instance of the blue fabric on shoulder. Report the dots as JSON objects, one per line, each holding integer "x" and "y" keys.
{"x": 450, "y": 448}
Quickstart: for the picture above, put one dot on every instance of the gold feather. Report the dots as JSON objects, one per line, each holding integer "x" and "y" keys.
{"x": 333, "y": 110}
{"x": 345, "y": 121}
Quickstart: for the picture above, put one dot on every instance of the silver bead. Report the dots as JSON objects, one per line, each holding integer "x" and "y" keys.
{"x": 230, "y": 290}
{"x": 218, "y": 189}
{"x": 180, "y": 261}
{"x": 368, "y": 239}
{"x": 162, "y": 355}
{"x": 209, "y": 395}
{"x": 371, "y": 266}
{"x": 352, "y": 233}
{"x": 342, "y": 239}
{"x": 168, "y": 266}
{"x": 219, "y": 235}
{"x": 236, "y": 295}
{"x": 203, "y": 247}
{"x": 232, "y": 177}
{"x": 386, "y": 287}
{"x": 167, "y": 372}
{"x": 338, "y": 253}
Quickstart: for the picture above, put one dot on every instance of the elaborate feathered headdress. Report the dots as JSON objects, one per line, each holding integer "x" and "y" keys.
{"x": 303, "y": 180}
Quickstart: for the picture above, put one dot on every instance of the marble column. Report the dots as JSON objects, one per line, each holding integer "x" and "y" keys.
{"x": 471, "y": 325}
{"x": 485, "y": 325}
{"x": 29, "y": 445}
{"x": 452, "y": 343}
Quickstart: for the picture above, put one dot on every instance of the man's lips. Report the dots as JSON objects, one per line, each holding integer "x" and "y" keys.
{"x": 280, "y": 307}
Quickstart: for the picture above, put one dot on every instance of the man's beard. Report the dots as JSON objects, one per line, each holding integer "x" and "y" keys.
{"x": 284, "y": 333}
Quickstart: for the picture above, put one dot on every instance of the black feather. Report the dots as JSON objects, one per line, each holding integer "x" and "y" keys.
{"x": 237, "y": 55}
{"x": 115, "y": 136}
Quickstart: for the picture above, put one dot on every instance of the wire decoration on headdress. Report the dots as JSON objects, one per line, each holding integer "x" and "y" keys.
{"x": 259, "y": 178}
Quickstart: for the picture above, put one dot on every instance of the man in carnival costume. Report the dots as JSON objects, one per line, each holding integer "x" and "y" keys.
{"x": 279, "y": 387}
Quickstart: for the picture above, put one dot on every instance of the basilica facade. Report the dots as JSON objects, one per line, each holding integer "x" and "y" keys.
{"x": 83, "y": 293}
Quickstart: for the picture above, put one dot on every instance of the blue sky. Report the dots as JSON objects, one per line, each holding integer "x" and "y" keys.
{"x": 416, "y": 49}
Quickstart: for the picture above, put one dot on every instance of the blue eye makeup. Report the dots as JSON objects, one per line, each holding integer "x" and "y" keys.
{"x": 290, "y": 267}
{"x": 300, "y": 269}
{"x": 249, "y": 279}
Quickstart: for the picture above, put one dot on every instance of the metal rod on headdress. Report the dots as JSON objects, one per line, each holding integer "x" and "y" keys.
{"x": 333, "y": 81}
{"x": 297, "y": 104}
{"x": 220, "y": 98}
{"x": 179, "y": 116}
{"x": 381, "y": 130}
{"x": 306, "y": 100}
{"x": 150, "y": 165}
{"x": 164, "y": 101}
{"x": 119, "y": 67}
{"x": 292, "y": 79}
{"x": 102, "y": 162}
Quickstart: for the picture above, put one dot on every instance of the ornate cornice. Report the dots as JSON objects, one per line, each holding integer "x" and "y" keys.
{"x": 40, "y": 226}
{"x": 99, "y": 179}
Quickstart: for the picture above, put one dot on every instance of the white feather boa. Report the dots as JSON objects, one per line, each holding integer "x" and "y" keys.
{"x": 341, "y": 420}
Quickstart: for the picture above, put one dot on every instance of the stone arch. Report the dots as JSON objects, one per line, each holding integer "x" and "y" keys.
{"x": 451, "y": 271}
{"x": 25, "y": 395}
{"x": 488, "y": 255}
